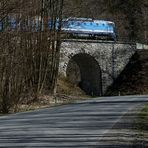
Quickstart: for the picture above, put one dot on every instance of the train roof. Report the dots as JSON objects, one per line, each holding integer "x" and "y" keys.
{"x": 88, "y": 20}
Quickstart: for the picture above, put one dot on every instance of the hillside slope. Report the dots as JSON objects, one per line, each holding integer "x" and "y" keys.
{"x": 134, "y": 79}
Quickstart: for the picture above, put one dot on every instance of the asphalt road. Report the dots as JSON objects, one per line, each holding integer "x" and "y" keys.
{"x": 80, "y": 125}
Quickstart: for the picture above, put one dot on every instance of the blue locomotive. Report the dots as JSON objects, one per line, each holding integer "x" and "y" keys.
{"x": 90, "y": 28}
{"x": 72, "y": 27}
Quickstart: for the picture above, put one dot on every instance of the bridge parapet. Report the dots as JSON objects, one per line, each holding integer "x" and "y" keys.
{"x": 112, "y": 57}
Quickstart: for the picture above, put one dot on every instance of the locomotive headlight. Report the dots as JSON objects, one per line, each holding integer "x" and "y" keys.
{"x": 109, "y": 22}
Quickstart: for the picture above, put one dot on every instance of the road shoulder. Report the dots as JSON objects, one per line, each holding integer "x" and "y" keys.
{"x": 124, "y": 133}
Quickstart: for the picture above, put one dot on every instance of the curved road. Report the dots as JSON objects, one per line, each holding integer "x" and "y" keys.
{"x": 83, "y": 124}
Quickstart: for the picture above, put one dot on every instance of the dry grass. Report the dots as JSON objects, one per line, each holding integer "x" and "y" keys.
{"x": 141, "y": 126}
{"x": 66, "y": 93}
{"x": 142, "y": 121}
{"x": 67, "y": 88}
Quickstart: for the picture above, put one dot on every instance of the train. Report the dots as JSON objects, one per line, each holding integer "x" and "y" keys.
{"x": 90, "y": 28}
{"x": 73, "y": 27}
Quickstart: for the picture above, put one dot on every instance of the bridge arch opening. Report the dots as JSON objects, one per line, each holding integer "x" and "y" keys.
{"x": 83, "y": 70}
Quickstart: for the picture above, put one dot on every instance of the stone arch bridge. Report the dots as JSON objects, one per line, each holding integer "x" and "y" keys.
{"x": 94, "y": 65}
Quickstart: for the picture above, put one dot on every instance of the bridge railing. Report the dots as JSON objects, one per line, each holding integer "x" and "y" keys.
{"x": 97, "y": 41}
{"x": 68, "y": 38}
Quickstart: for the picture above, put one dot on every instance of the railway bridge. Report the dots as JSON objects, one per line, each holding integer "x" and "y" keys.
{"x": 92, "y": 64}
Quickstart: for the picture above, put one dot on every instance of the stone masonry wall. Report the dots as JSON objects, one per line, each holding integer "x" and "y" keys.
{"x": 112, "y": 57}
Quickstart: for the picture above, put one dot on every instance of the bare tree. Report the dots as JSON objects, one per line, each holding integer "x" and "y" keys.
{"x": 29, "y": 49}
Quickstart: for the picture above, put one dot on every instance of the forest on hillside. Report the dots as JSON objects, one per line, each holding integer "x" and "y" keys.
{"x": 130, "y": 16}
